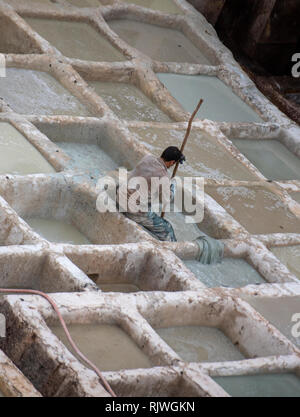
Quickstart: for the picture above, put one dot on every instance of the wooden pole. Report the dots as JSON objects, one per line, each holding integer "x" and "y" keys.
{"x": 187, "y": 134}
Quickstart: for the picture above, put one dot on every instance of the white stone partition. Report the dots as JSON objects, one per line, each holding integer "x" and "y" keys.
{"x": 86, "y": 98}
{"x": 12, "y": 382}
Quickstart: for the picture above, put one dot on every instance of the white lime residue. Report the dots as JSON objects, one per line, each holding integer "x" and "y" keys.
{"x": 88, "y": 157}
{"x": 128, "y": 102}
{"x": 205, "y": 156}
{"x": 36, "y": 92}
{"x": 200, "y": 344}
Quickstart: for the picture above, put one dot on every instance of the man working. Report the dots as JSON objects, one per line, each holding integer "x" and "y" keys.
{"x": 148, "y": 168}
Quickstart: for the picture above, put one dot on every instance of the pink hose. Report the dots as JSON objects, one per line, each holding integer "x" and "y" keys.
{"x": 81, "y": 355}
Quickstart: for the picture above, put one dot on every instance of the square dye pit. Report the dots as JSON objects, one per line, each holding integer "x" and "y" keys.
{"x": 200, "y": 344}
{"x": 107, "y": 346}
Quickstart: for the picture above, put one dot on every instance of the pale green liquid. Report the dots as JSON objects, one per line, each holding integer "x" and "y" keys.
{"x": 200, "y": 344}
{"x": 160, "y": 44}
{"x": 279, "y": 312}
{"x": 290, "y": 257}
{"x": 18, "y": 156}
{"x": 57, "y": 231}
{"x": 108, "y": 347}
{"x": 257, "y": 209}
{"x": 167, "y": 6}
{"x": 233, "y": 273}
{"x": 76, "y": 40}
{"x": 128, "y": 102}
{"x": 271, "y": 158}
{"x": 278, "y": 385}
{"x": 35, "y": 92}
{"x": 220, "y": 103}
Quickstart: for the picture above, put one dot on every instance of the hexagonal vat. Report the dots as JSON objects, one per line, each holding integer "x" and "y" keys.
{"x": 128, "y": 102}
{"x": 120, "y": 269}
{"x": 210, "y": 328}
{"x": 221, "y": 104}
{"x": 40, "y": 356}
{"x": 76, "y": 39}
{"x": 59, "y": 199}
{"x": 271, "y": 158}
{"x": 159, "y": 43}
{"x": 36, "y": 92}
{"x": 234, "y": 273}
{"x": 90, "y": 148}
